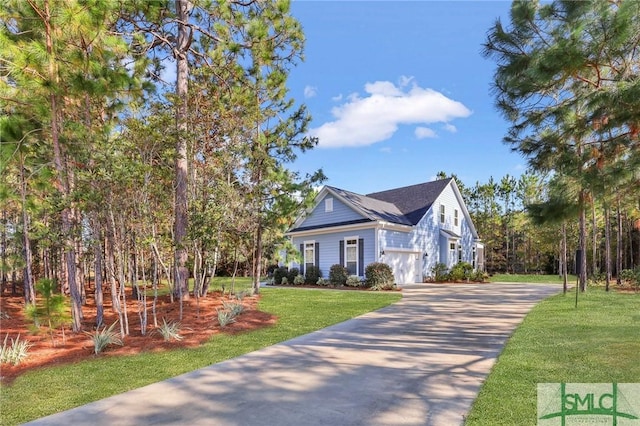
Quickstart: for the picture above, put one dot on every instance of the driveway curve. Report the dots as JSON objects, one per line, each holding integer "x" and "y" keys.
{"x": 420, "y": 361}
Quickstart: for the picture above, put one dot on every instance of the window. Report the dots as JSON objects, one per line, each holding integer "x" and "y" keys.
{"x": 351, "y": 255}
{"x": 328, "y": 205}
{"x": 309, "y": 254}
{"x": 455, "y": 217}
{"x": 452, "y": 252}
{"x": 473, "y": 258}
{"x": 441, "y": 213}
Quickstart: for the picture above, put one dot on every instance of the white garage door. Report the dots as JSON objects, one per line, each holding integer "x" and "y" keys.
{"x": 406, "y": 266}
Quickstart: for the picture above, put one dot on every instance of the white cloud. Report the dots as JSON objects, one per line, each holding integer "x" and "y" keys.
{"x": 310, "y": 91}
{"x": 450, "y": 128}
{"x": 424, "y": 132}
{"x": 337, "y": 98}
{"x": 361, "y": 121}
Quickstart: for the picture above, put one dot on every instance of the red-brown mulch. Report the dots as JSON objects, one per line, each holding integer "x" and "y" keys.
{"x": 199, "y": 322}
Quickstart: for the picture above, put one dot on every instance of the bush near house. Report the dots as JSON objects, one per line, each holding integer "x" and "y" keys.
{"x": 338, "y": 275}
{"x": 379, "y": 276}
{"x": 462, "y": 271}
{"x": 292, "y": 274}
{"x": 312, "y": 275}
{"x": 353, "y": 281}
{"x": 278, "y": 274}
{"x": 440, "y": 272}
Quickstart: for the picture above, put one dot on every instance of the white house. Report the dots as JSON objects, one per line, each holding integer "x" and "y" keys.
{"x": 410, "y": 229}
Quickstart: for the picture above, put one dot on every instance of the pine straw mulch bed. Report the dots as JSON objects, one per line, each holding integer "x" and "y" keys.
{"x": 199, "y": 322}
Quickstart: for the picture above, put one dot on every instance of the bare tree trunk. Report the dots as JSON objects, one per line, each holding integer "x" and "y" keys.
{"x": 257, "y": 259}
{"x": 594, "y": 248}
{"x": 62, "y": 177}
{"x": 564, "y": 258}
{"x": 29, "y": 287}
{"x": 619, "y": 246}
{"x": 607, "y": 248}
{"x": 111, "y": 268}
{"x": 582, "y": 278}
{"x": 3, "y": 255}
{"x": 183, "y": 7}
{"x": 97, "y": 256}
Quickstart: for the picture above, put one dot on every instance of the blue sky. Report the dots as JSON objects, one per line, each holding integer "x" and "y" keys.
{"x": 399, "y": 91}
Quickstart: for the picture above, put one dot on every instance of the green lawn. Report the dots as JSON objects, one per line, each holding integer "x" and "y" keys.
{"x": 599, "y": 342}
{"x": 47, "y": 391}
{"x": 530, "y": 278}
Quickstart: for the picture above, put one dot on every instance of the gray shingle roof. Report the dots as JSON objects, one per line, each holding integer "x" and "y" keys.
{"x": 413, "y": 201}
{"x": 376, "y": 209}
{"x": 406, "y": 205}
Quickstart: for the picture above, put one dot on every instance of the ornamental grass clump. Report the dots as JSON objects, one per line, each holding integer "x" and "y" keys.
{"x": 105, "y": 337}
{"x": 225, "y": 317}
{"x": 14, "y": 351}
{"x": 170, "y": 330}
{"x": 235, "y": 308}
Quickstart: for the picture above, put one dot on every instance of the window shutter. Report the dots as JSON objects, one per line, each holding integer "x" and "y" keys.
{"x": 302, "y": 262}
{"x": 342, "y": 253}
{"x": 361, "y": 257}
{"x": 317, "y": 263}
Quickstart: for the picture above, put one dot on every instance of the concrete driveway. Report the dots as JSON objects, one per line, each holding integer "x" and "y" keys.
{"x": 418, "y": 362}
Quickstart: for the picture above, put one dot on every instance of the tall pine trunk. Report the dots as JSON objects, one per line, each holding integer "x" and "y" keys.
{"x": 181, "y": 166}
{"x": 619, "y": 247}
{"x": 582, "y": 276}
{"x": 29, "y": 287}
{"x": 62, "y": 177}
{"x": 607, "y": 248}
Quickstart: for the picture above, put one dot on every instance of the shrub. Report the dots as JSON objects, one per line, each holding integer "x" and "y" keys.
{"x": 284, "y": 281}
{"x": 225, "y": 317}
{"x": 461, "y": 271}
{"x": 312, "y": 275}
{"x": 292, "y": 274}
{"x": 235, "y": 308}
{"x": 170, "y": 330}
{"x": 298, "y": 280}
{"x": 338, "y": 275}
{"x": 323, "y": 282}
{"x": 479, "y": 276}
{"x": 353, "y": 281}
{"x": 440, "y": 272}
{"x": 14, "y": 352}
{"x": 278, "y": 274}
{"x": 104, "y": 338}
{"x": 631, "y": 276}
{"x": 379, "y": 276}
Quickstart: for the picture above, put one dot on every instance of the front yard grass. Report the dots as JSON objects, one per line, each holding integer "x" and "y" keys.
{"x": 599, "y": 342}
{"x": 531, "y": 278}
{"x": 51, "y": 390}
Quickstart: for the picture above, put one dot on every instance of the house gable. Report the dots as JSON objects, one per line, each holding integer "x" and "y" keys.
{"x": 329, "y": 209}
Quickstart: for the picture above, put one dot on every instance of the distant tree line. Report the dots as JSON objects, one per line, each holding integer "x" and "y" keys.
{"x": 568, "y": 80}
{"x": 507, "y": 214}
